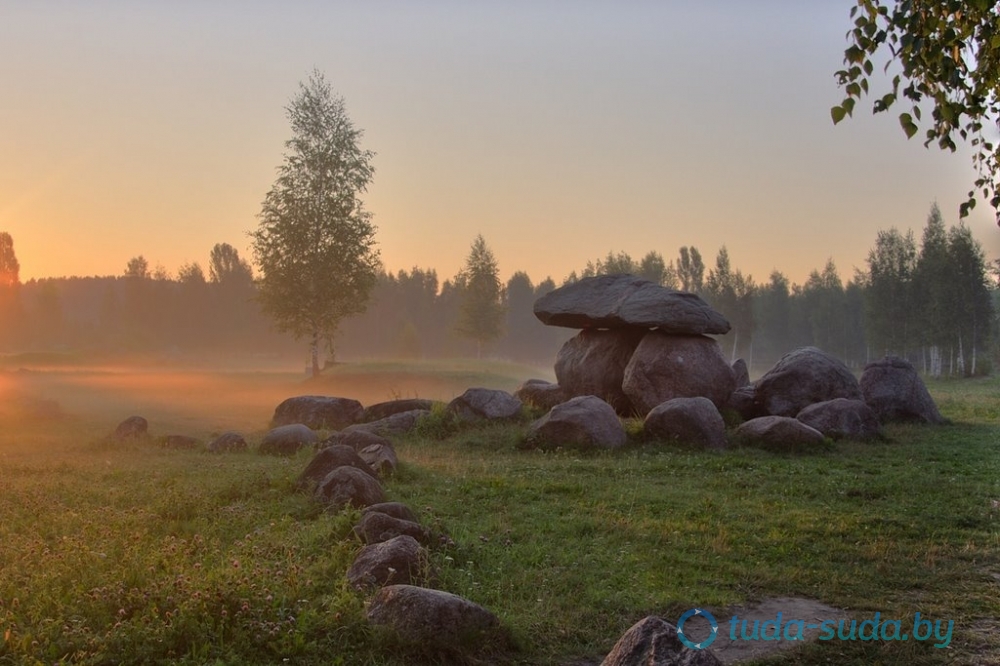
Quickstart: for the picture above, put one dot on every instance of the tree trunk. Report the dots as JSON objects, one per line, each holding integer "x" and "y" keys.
{"x": 736, "y": 338}
{"x": 314, "y": 353}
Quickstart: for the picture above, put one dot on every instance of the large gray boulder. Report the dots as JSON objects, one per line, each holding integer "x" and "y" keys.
{"x": 616, "y": 301}
{"x": 482, "y": 403}
{"x": 541, "y": 394}
{"x": 349, "y": 486}
{"x": 286, "y": 440}
{"x": 895, "y": 392}
{"x": 585, "y": 422}
{"x": 801, "y": 378}
{"x": 432, "y": 618}
{"x": 328, "y": 459}
{"x": 778, "y": 433}
{"x": 399, "y": 561}
{"x": 653, "y": 641}
{"x": 593, "y": 363}
{"x": 394, "y": 509}
{"x": 841, "y": 419}
{"x": 688, "y": 420}
{"x": 318, "y": 412}
{"x": 664, "y": 367}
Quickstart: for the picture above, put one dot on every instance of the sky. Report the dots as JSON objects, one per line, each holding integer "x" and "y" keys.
{"x": 558, "y": 130}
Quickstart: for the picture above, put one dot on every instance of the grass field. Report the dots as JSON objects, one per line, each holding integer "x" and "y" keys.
{"x": 129, "y": 553}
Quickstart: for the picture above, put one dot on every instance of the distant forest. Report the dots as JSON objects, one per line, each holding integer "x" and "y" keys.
{"x": 934, "y": 302}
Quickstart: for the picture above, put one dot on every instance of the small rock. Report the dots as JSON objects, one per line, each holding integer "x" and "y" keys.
{"x": 778, "y": 433}
{"x": 383, "y": 410}
{"x": 394, "y": 509}
{"x": 327, "y": 460}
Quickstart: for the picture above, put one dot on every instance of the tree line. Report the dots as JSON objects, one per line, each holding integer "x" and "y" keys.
{"x": 932, "y": 302}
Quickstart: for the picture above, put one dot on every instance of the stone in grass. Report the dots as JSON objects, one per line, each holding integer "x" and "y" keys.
{"x": 134, "y": 427}
{"x": 482, "y": 403}
{"x": 349, "y": 486}
{"x": 687, "y": 420}
{"x": 287, "y": 440}
{"x": 432, "y": 619}
{"x": 383, "y": 410}
{"x": 376, "y": 527}
{"x": 895, "y": 392}
{"x": 381, "y": 458}
{"x": 585, "y": 422}
{"x": 841, "y": 419}
{"x": 318, "y": 412}
{"x": 778, "y": 433}
{"x": 541, "y": 394}
{"x": 228, "y": 442}
{"x": 398, "y": 561}
{"x": 653, "y": 641}
{"x": 801, "y": 378}
{"x": 357, "y": 439}
{"x": 394, "y": 509}
{"x": 328, "y": 459}
{"x": 396, "y": 424}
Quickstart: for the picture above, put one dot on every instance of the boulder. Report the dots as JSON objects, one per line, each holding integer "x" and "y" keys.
{"x": 482, "y": 403}
{"x": 349, "y": 486}
{"x": 356, "y": 439}
{"x": 689, "y": 420}
{"x": 594, "y": 362}
{"x": 653, "y": 641}
{"x": 664, "y": 367}
{"x": 381, "y": 458}
{"x": 841, "y": 419}
{"x": 382, "y": 410}
{"x": 617, "y": 301}
{"x": 327, "y": 460}
{"x": 801, "y": 378}
{"x": 376, "y": 527}
{"x": 541, "y": 394}
{"x": 287, "y": 440}
{"x": 394, "y": 509}
{"x": 228, "y": 442}
{"x": 400, "y": 560}
{"x": 741, "y": 373}
{"x": 318, "y": 412}
{"x": 743, "y": 402}
{"x": 584, "y": 422}
{"x": 778, "y": 433}
{"x": 397, "y": 424}
{"x": 432, "y": 618}
{"x": 895, "y": 392}
{"x": 134, "y": 427}
{"x": 181, "y": 442}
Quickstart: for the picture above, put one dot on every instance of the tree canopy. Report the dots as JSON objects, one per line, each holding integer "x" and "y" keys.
{"x": 947, "y": 55}
{"x": 9, "y": 266}
{"x": 315, "y": 242}
{"x": 481, "y": 315}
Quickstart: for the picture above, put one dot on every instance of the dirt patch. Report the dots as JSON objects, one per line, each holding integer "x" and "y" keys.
{"x": 810, "y": 611}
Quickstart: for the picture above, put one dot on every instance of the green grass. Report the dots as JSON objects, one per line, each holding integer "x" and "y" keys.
{"x": 135, "y": 554}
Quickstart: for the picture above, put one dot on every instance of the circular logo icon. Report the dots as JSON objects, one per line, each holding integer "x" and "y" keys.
{"x": 687, "y": 616}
